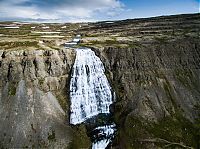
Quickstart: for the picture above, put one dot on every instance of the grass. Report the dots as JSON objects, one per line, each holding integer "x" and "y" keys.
{"x": 113, "y": 43}
{"x": 161, "y": 39}
{"x": 8, "y": 45}
{"x": 91, "y": 35}
{"x": 173, "y": 128}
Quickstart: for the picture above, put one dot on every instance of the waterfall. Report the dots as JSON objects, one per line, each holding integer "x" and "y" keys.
{"x": 105, "y": 135}
{"x": 90, "y": 95}
{"x": 90, "y": 91}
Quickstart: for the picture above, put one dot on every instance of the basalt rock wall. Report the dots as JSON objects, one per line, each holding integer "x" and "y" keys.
{"x": 157, "y": 87}
{"x": 34, "y": 99}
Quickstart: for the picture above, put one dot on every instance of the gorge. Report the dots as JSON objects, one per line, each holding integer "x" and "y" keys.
{"x": 149, "y": 67}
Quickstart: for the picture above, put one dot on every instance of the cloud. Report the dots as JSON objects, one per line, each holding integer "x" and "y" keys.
{"x": 62, "y": 10}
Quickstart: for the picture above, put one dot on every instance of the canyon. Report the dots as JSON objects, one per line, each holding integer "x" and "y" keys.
{"x": 152, "y": 65}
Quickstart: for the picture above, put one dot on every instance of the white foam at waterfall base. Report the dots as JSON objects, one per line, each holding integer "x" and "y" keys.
{"x": 108, "y": 132}
{"x": 90, "y": 91}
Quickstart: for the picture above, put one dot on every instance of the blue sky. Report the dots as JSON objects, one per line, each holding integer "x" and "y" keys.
{"x": 91, "y": 10}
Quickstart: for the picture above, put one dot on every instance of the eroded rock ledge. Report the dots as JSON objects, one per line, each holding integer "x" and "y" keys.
{"x": 34, "y": 98}
{"x": 158, "y": 92}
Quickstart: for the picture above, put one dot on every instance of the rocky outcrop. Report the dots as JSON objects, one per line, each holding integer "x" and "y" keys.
{"x": 34, "y": 98}
{"x": 157, "y": 87}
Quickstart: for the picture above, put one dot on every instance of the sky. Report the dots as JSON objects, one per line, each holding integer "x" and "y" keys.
{"x": 91, "y": 10}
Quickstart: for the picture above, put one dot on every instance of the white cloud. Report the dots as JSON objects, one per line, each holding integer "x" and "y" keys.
{"x": 60, "y": 10}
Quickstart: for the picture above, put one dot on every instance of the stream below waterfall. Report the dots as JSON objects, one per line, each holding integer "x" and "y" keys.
{"x": 91, "y": 97}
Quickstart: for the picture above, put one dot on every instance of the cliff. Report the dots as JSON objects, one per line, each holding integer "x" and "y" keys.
{"x": 154, "y": 70}
{"x": 153, "y": 66}
{"x": 34, "y": 99}
{"x": 158, "y": 92}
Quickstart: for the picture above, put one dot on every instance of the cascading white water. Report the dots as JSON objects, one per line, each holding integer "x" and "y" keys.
{"x": 107, "y": 133}
{"x": 90, "y": 94}
{"x": 90, "y": 91}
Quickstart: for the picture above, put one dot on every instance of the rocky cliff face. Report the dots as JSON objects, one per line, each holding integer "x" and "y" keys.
{"x": 157, "y": 87}
{"x": 34, "y": 98}
{"x": 153, "y": 66}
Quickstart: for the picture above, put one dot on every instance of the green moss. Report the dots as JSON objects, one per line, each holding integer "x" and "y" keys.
{"x": 184, "y": 76}
{"x": 1, "y": 145}
{"x": 134, "y": 45}
{"x": 197, "y": 124}
{"x": 41, "y": 81}
{"x": 173, "y": 128}
{"x": 80, "y": 138}
{"x": 169, "y": 92}
{"x": 103, "y": 43}
{"x": 187, "y": 78}
{"x": 134, "y": 127}
{"x": 130, "y": 132}
{"x": 62, "y": 101}
{"x": 52, "y": 136}
{"x": 12, "y": 89}
{"x": 91, "y": 35}
{"x": 161, "y": 39}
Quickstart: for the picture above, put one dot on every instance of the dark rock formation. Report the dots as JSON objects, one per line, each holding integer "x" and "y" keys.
{"x": 34, "y": 99}
{"x": 157, "y": 87}
{"x": 156, "y": 79}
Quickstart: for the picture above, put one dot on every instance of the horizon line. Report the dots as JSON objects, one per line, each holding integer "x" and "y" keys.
{"x": 148, "y": 17}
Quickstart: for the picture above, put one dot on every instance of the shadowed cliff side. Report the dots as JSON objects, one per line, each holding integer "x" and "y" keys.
{"x": 158, "y": 92}
{"x": 153, "y": 65}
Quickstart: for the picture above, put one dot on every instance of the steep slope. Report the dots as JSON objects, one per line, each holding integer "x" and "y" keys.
{"x": 157, "y": 87}
{"x": 154, "y": 67}
{"x": 34, "y": 99}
